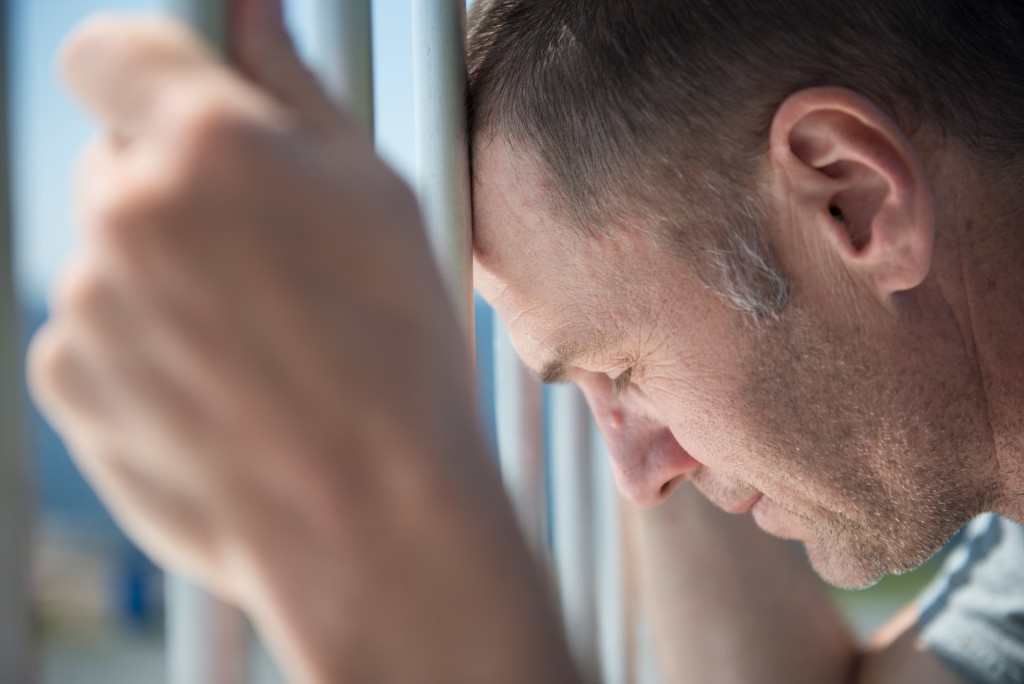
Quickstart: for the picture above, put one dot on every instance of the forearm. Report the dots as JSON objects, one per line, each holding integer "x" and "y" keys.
{"x": 731, "y": 604}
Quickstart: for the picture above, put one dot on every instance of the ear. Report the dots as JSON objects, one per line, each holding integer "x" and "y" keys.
{"x": 859, "y": 181}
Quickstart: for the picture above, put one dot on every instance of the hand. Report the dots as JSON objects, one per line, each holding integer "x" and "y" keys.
{"x": 253, "y": 361}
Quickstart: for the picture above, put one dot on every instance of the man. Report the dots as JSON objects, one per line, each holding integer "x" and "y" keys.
{"x": 746, "y": 269}
{"x": 776, "y": 245}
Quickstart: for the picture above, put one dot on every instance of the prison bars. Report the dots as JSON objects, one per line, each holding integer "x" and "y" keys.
{"x": 591, "y": 602}
{"x": 614, "y": 640}
{"x": 573, "y": 529}
{"x": 442, "y": 165}
{"x": 442, "y": 157}
{"x": 519, "y": 428}
{"x": 207, "y": 641}
{"x": 580, "y": 532}
{"x": 15, "y": 483}
{"x": 342, "y": 55}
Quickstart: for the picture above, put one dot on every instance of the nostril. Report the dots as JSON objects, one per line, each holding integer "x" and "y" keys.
{"x": 670, "y": 486}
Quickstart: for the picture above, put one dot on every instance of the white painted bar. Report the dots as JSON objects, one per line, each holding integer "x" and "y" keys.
{"x": 572, "y": 489}
{"x": 208, "y": 17}
{"x": 519, "y": 422}
{"x": 342, "y": 55}
{"x": 613, "y": 633}
{"x": 207, "y": 640}
{"x": 646, "y": 670}
{"x": 442, "y": 158}
{"x": 16, "y": 662}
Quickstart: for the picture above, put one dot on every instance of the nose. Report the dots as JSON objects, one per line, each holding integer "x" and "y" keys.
{"x": 646, "y": 457}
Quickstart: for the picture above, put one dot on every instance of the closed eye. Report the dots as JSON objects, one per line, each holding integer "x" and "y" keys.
{"x": 621, "y": 383}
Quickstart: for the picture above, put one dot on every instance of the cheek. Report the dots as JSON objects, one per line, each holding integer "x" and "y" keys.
{"x": 706, "y": 423}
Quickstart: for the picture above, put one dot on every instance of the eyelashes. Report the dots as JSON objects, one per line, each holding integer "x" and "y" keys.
{"x": 621, "y": 383}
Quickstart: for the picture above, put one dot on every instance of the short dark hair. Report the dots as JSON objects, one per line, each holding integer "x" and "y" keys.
{"x": 641, "y": 109}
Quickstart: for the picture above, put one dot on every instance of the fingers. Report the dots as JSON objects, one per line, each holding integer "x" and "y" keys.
{"x": 262, "y": 48}
{"x": 145, "y": 75}
{"x": 62, "y": 385}
{"x": 64, "y": 377}
{"x": 171, "y": 527}
{"x": 125, "y": 68}
{"x": 91, "y": 368}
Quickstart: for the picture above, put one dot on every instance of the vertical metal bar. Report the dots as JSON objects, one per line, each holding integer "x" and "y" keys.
{"x": 518, "y": 408}
{"x": 442, "y": 158}
{"x": 207, "y": 17}
{"x": 207, "y": 640}
{"x": 646, "y": 669}
{"x": 613, "y": 634}
{"x": 15, "y": 481}
{"x": 342, "y": 55}
{"x": 572, "y": 503}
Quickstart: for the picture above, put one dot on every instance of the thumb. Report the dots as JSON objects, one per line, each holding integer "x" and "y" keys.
{"x": 261, "y": 48}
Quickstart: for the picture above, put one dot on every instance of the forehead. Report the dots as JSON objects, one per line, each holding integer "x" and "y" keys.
{"x": 553, "y": 286}
{"x": 514, "y": 225}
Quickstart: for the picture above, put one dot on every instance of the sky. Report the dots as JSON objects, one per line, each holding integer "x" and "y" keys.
{"x": 49, "y": 128}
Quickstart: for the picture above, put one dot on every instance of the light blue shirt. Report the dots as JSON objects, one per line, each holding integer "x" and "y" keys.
{"x": 973, "y": 611}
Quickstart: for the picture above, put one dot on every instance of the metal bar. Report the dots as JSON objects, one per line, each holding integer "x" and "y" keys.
{"x": 646, "y": 670}
{"x": 16, "y": 664}
{"x": 342, "y": 55}
{"x": 207, "y": 17}
{"x": 573, "y": 535}
{"x": 518, "y": 408}
{"x": 207, "y": 640}
{"x": 442, "y": 158}
{"x": 612, "y": 620}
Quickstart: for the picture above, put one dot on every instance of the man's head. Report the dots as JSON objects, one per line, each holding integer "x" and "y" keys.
{"x": 678, "y": 192}
{"x": 658, "y": 111}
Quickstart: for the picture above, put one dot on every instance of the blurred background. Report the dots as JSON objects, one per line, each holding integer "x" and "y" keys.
{"x": 99, "y": 600}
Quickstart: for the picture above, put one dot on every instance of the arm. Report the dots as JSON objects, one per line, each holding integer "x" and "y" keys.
{"x": 729, "y": 603}
{"x": 254, "y": 363}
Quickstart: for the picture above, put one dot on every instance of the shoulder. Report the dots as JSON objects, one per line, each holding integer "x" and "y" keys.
{"x": 972, "y": 615}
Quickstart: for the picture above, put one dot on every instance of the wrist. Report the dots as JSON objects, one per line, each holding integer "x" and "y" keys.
{"x": 427, "y": 581}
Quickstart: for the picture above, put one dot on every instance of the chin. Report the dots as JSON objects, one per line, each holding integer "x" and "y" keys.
{"x": 850, "y": 554}
{"x": 842, "y": 571}
{"x": 835, "y": 564}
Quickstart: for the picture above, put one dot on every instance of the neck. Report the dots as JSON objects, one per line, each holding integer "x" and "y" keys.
{"x": 983, "y": 218}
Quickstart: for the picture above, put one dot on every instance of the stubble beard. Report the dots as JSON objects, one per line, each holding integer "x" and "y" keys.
{"x": 873, "y": 459}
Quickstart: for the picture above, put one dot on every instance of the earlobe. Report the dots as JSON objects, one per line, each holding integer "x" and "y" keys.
{"x": 860, "y": 182}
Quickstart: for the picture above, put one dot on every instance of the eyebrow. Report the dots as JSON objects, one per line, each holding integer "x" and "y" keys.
{"x": 553, "y": 373}
{"x": 569, "y": 353}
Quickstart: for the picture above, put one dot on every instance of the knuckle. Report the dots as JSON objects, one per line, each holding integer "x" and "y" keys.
{"x": 210, "y": 135}
{"x": 128, "y": 212}
{"x": 210, "y": 149}
{"x": 202, "y": 120}
{"x": 113, "y": 212}
{"x": 80, "y": 288}
{"x": 50, "y": 362}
